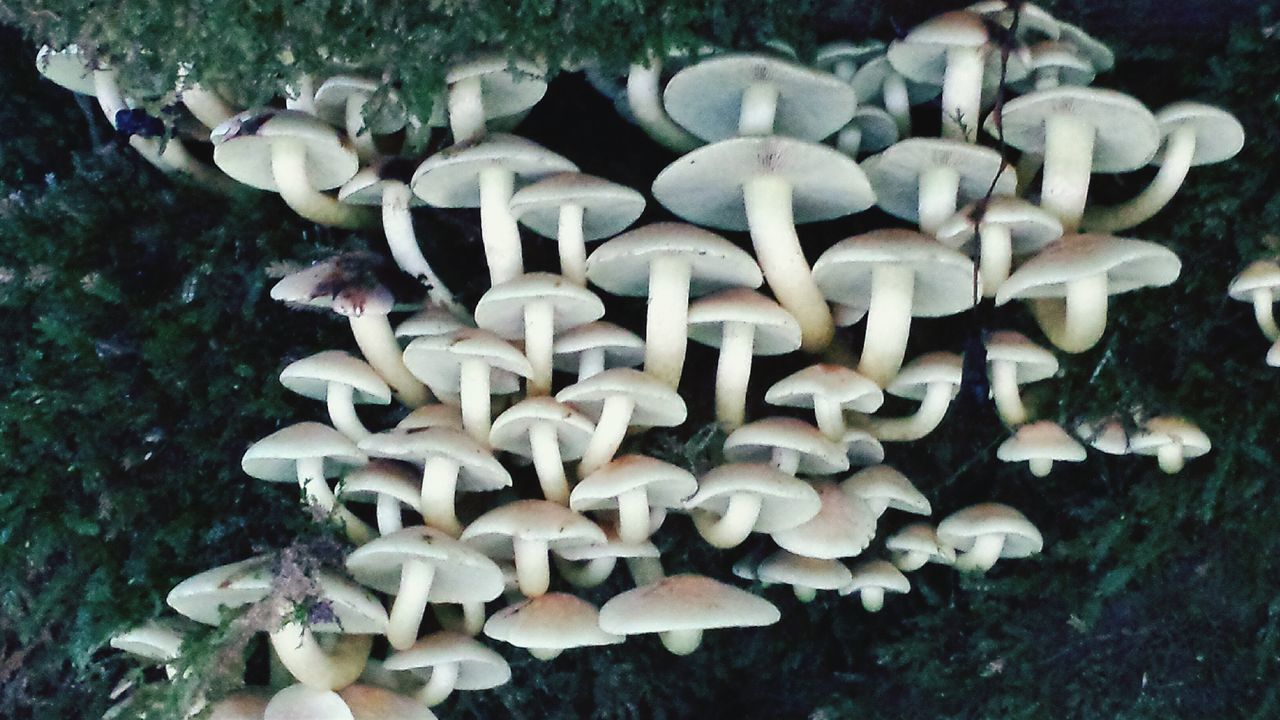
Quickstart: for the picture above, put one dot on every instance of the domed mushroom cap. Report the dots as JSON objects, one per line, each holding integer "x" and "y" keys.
{"x": 607, "y": 207}
{"x": 791, "y": 569}
{"x": 312, "y": 287}
{"x": 501, "y": 309}
{"x": 922, "y": 54}
{"x": 204, "y": 596}
{"x": 665, "y": 485}
{"x": 830, "y": 382}
{"x": 437, "y": 360}
{"x": 451, "y": 177}
{"x": 430, "y": 320}
{"x": 776, "y": 331}
{"x": 621, "y": 265}
{"x": 542, "y": 520}
{"x": 1219, "y": 135}
{"x": 621, "y": 347}
{"x": 921, "y": 538}
{"x": 784, "y": 500}
{"x": 462, "y": 574}
{"x": 478, "y": 470}
{"x": 511, "y": 429}
{"x": 961, "y": 529}
{"x": 555, "y": 621}
{"x": 929, "y": 369}
{"x": 943, "y": 277}
{"x": 430, "y": 416}
{"x": 369, "y": 702}
{"x": 479, "y": 667}
{"x": 1031, "y": 362}
{"x": 1044, "y": 440}
{"x": 756, "y": 442}
{"x": 876, "y": 574}
{"x": 843, "y": 527}
{"x": 242, "y": 147}
{"x": 275, "y": 457}
{"x": 1106, "y": 435}
{"x": 1128, "y": 264}
{"x": 862, "y": 447}
{"x": 311, "y": 376}
{"x": 685, "y": 602}
{"x": 300, "y": 702}
{"x": 883, "y": 485}
{"x": 895, "y": 173}
{"x": 1259, "y": 275}
{"x": 656, "y": 404}
{"x": 1167, "y": 430}
{"x": 331, "y": 103}
{"x": 706, "y": 186}
{"x": 1030, "y": 228}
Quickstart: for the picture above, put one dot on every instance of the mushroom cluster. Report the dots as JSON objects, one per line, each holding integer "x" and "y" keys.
{"x": 517, "y": 469}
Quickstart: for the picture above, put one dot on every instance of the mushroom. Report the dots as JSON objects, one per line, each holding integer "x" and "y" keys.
{"x": 995, "y": 230}
{"x": 587, "y": 566}
{"x": 842, "y": 59}
{"x": 387, "y": 484}
{"x": 917, "y": 544}
{"x": 1055, "y": 63}
{"x": 843, "y": 527}
{"x": 881, "y": 487}
{"x": 549, "y": 433}
{"x": 589, "y": 349}
{"x": 805, "y": 575}
{"x": 157, "y": 640}
{"x": 877, "y": 83}
{"x": 247, "y": 704}
{"x": 341, "y": 380}
{"x": 1040, "y": 444}
{"x": 681, "y": 607}
{"x": 1098, "y": 55}
{"x": 986, "y": 532}
{"x": 488, "y": 87}
{"x": 644, "y": 104}
{"x": 870, "y": 131}
{"x": 368, "y": 702}
{"x": 1014, "y": 360}
{"x": 618, "y": 399}
{"x": 742, "y": 323}
{"x": 1258, "y": 285}
{"x": 549, "y": 624}
{"x": 924, "y": 180}
{"x": 669, "y": 262}
{"x": 829, "y": 390}
{"x": 793, "y": 446}
{"x": 933, "y": 379}
{"x": 429, "y": 416}
{"x": 1106, "y": 435}
{"x": 897, "y": 274}
{"x": 418, "y": 565}
{"x": 433, "y": 320}
{"x": 529, "y": 529}
{"x": 301, "y": 702}
{"x": 871, "y": 579}
{"x": 341, "y": 100}
{"x": 1273, "y": 355}
{"x": 1034, "y": 22}
{"x": 737, "y": 499}
{"x": 457, "y": 662}
{"x": 633, "y": 485}
{"x": 1172, "y": 440}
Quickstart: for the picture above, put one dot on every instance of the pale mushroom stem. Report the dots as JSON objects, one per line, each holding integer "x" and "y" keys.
{"x": 759, "y": 108}
{"x": 1048, "y": 78}
{"x": 590, "y": 363}
{"x": 877, "y": 505}
{"x": 587, "y": 573}
{"x": 615, "y": 418}
{"x": 387, "y": 510}
{"x": 439, "y": 687}
{"x": 897, "y": 102}
{"x": 849, "y": 140}
{"x": 548, "y": 463}
{"x": 571, "y": 244}
{"x": 301, "y": 97}
{"x": 476, "y": 402}
{"x": 872, "y": 598}
{"x": 645, "y": 570}
{"x": 466, "y": 110}
{"x": 498, "y": 229}
{"x": 681, "y": 642}
{"x": 1264, "y": 313}
{"x": 377, "y": 343}
{"x": 938, "y": 191}
{"x": 983, "y": 555}
{"x": 1171, "y": 457}
{"x": 473, "y": 618}
{"x": 1004, "y": 389}
{"x": 733, "y": 373}
{"x": 533, "y": 566}
{"x": 730, "y": 529}
{"x": 910, "y": 561}
{"x": 1068, "y": 163}
{"x": 995, "y": 256}
{"x": 804, "y": 594}
{"x": 439, "y": 485}
{"x": 361, "y": 136}
{"x": 926, "y": 418}
{"x": 644, "y": 97}
{"x": 289, "y": 170}
{"x": 416, "y": 577}
{"x": 962, "y": 93}
{"x": 773, "y": 234}
{"x": 402, "y": 241}
{"x": 1179, "y": 149}
{"x": 1078, "y": 322}
{"x": 844, "y": 69}
{"x": 666, "y": 335}
{"x": 633, "y": 516}
{"x": 1040, "y": 466}
{"x": 313, "y": 665}
{"x": 545, "y": 654}
{"x": 830, "y": 416}
{"x": 888, "y": 323}
{"x": 107, "y": 92}
{"x": 539, "y": 336}
{"x": 207, "y": 106}
{"x": 342, "y": 411}
{"x": 788, "y": 461}
{"x": 315, "y": 488}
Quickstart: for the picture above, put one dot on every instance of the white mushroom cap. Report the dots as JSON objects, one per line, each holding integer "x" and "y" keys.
{"x": 1033, "y": 21}
{"x": 1014, "y": 360}
{"x": 158, "y": 640}
{"x": 843, "y": 527}
{"x": 634, "y": 485}
{"x": 862, "y": 447}
{"x": 613, "y": 345}
{"x": 883, "y": 487}
{"x": 202, "y": 597}
{"x": 502, "y": 309}
{"x": 528, "y": 530}
{"x": 1099, "y": 55}
{"x": 242, "y": 148}
{"x": 996, "y": 231}
{"x": 1219, "y": 135}
{"x": 457, "y": 661}
{"x": 478, "y": 470}
{"x": 511, "y": 429}
{"x": 311, "y": 376}
{"x": 681, "y": 607}
{"x": 300, "y": 702}
{"x": 874, "y": 130}
{"x": 621, "y": 265}
{"x": 430, "y": 320}
{"x": 1172, "y": 440}
{"x": 901, "y": 177}
{"x": 736, "y": 499}
{"x": 429, "y": 416}
{"x": 1041, "y": 444}
{"x": 987, "y": 532}
{"x": 507, "y": 86}
{"x": 868, "y": 83}
{"x": 656, "y": 404}
{"x": 387, "y": 483}
{"x": 830, "y": 390}
{"x": 451, "y": 177}
{"x": 943, "y": 277}
{"x": 438, "y": 359}
{"x": 1057, "y": 63}
{"x": 832, "y": 55}
{"x": 872, "y": 578}
{"x": 66, "y": 68}
{"x": 1259, "y": 284}
{"x": 547, "y": 624}
{"x": 275, "y": 457}
{"x": 792, "y": 445}
{"x": 917, "y": 544}
{"x": 461, "y": 573}
{"x": 805, "y": 574}
{"x": 1106, "y": 435}
{"x": 332, "y": 96}
{"x": 607, "y": 207}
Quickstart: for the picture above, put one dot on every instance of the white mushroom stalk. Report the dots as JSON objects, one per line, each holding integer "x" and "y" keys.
{"x": 665, "y": 335}
{"x": 681, "y": 642}
{"x": 962, "y": 92}
{"x": 938, "y": 196}
{"x": 207, "y": 106}
{"x": 533, "y": 566}
{"x": 539, "y": 339}
{"x": 926, "y": 418}
{"x": 1068, "y": 164}
{"x": 733, "y": 372}
{"x": 439, "y": 490}
{"x": 466, "y": 109}
{"x": 377, "y": 343}
{"x": 402, "y": 241}
{"x": 340, "y": 401}
{"x": 315, "y": 665}
{"x": 548, "y": 463}
{"x": 443, "y": 680}
{"x": 995, "y": 256}
{"x": 477, "y": 408}
{"x": 897, "y": 101}
{"x": 387, "y": 514}
{"x": 315, "y": 488}
{"x": 466, "y": 618}
{"x": 739, "y": 519}
{"x": 571, "y": 243}
{"x": 888, "y": 322}
{"x": 1004, "y": 390}
{"x": 645, "y": 570}
{"x": 983, "y": 555}
{"x": 611, "y": 429}
{"x": 759, "y": 108}
{"x": 289, "y": 169}
{"x": 586, "y": 573}
{"x": 872, "y": 598}
{"x": 416, "y": 577}
{"x": 1078, "y": 324}
{"x": 1180, "y": 148}
{"x": 498, "y": 229}
{"x": 644, "y": 97}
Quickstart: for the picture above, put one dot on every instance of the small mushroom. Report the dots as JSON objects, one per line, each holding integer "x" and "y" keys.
{"x": 457, "y": 662}
{"x": 881, "y": 487}
{"x": 843, "y": 527}
{"x": 1172, "y": 440}
{"x": 1258, "y": 285}
{"x": 432, "y": 320}
{"x": 793, "y": 446}
{"x": 618, "y": 399}
{"x": 829, "y": 390}
{"x": 587, "y": 566}
{"x": 737, "y": 499}
{"x": 1003, "y": 227}
{"x": 490, "y": 86}
{"x": 1014, "y": 360}
{"x": 389, "y": 485}
{"x": 805, "y": 575}
{"x": 341, "y": 380}
{"x": 917, "y": 544}
{"x": 592, "y": 348}
{"x": 681, "y": 607}
{"x": 877, "y": 83}
{"x": 550, "y": 624}
{"x": 872, "y": 579}
{"x": 1041, "y": 444}
{"x": 474, "y": 365}
{"x": 934, "y": 379}
{"x": 986, "y": 532}
{"x": 529, "y": 529}
{"x": 634, "y": 485}
{"x": 924, "y": 180}
{"x": 549, "y": 433}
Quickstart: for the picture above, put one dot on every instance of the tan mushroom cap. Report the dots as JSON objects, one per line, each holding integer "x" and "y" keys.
{"x": 621, "y": 347}
{"x": 759, "y": 441}
{"x": 895, "y": 173}
{"x": 656, "y": 404}
{"x": 511, "y": 429}
{"x": 242, "y": 148}
{"x": 785, "y": 501}
{"x": 1258, "y": 275}
{"x": 1031, "y": 362}
{"x": 1030, "y": 228}
{"x": 776, "y": 331}
{"x": 803, "y": 572}
{"x": 621, "y": 265}
{"x": 665, "y": 485}
{"x": 551, "y": 622}
{"x": 437, "y": 360}
{"x": 1041, "y": 444}
{"x": 204, "y": 596}
{"x": 607, "y": 207}
{"x": 1128, "y": 264}
{"x": 311, "y": 376}
{"x": 840, "y": 384}
{"x": 275, "y": 457}
{"x": 501, "y": 309}
{"x": 1169, "y": 430}
{"x": 369, "y": 702}
{"x": 247, "y": 704}
{"x": 430, "y": 320}
{"x": 478, "y": 470}
{"x": 429, "y": 416}
{"x": 540, "y": 520}
{"x": 462, "y": 574}
{"x": 301, "y": 702}
{"x": 685, "y": 602}
{"x": 943, "y": 277}
{"x": 843, "y": 527}
{"x": 961, "y": 529}
{"x": 367, "y": 186}
{"x": 479, "y": 667}
{"x": 929, "y": 369}
{"x": 1106, "y": 435}
{"x": 918, "y": 538}
{"x": 883, "y": 486}
{"x": 451, "y": 177}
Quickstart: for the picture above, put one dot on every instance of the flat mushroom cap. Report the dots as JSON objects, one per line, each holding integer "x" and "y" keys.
{"x": 202, "y": 597}
{"x": 370, "y": 702}
{"x": 1043, "y": 439}
{"x": 933, "y": 368}
{"x": 382, "y": 477}
{"x": 876, "y": 574}
{"x": 542, "y": 520}
{"x": 1129, "y": 265}
{"x": 895, "y": 173}
{"x": 706, "y": 98}
{"x": 555, "y": 621}
{"x": 621, "y": 265}
{"x": 242, "y": 147}
{"x": 922, "y": 538}
{"x": 843, "y": 527}
{"x": 275, "y": 457}
{"x": 685, "y": 602}
{"x": 510, "y": 431}
{"x": 943, "y": 277}
{"x": 706, "y": 186}
{"x": 613, "y": 548}
{"x": 922, "y": 54}
{"x": 1127, "y": 133}
{"x": 961, "y": 529}
{"x": 1259, "y": 275}
{"x": 1219, "y": 135}
{"x": 881, "y": 482}
{"x": 507, "y": 86}
{"x": 437, "y": 360}
{"x": 479, "y": 667}
{"x": 665, "y": 485}
{"x": 501, "y": 309}
{"x": 656, "y": 404}
{"x": 450, "y": 178}
{"x": 831, "y": 382}
{"x": 478, "y": 470}
{"x": 429, "y": 416}
{"x": 1072, "y": 67}
{"x": 462, "y": 574}
{"x": 791, "y": 569}
{"x": 756, "y": 442}
{"x": 301, "y": 702}
{"x": 1030, "y": 228}
{"x": 1164, "y": 430}
{"x": 776, "y": 330}
{"x": 367, "y": 186}
{"x": 608, "y": 208}
{"x": 1031, "y": 362}
{"x": 785, "y": 501}
{"x": 312, "y": 375}
{"x": 430, "y": 320}
{"x": 622, "y": 348}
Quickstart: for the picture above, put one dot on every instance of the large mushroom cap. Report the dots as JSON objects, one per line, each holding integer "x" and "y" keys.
{"x": 275, "y": 457}
{"x": 1128, "y": 264}
{"x": 607, "y": 207}
{"x": 242, "y": 147}
{"x": 881, "y": 484}
{"x": 785, "y": 501}
{"x": 656, "y": 404}
{"x": 665, "y": 485}
{"x": 685, "y": 602}
{"x": 540, "y": 520}
{"x": 621, "y": 265}
{"x": 756, "y": 442}
{"x": 961, "y": 529}
{"x": 895, "y": 173}
{"x": 451, "y": 177}
{"x": 462, "y": 574}
{"x": 554, "y": 621}
{"x": 843, "y": 527}
{"x": 507, "y": 86}
{"x": 501, "y": 309}
{"x": 943, "y": 277}
{"x": 312, "y": 375}
{"x": 479, "y": 667}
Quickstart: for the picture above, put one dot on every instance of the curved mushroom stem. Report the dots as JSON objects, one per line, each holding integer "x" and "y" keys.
{"x": 360, "y": 134}
{"x": 644, "y": 97}
{"x": 315, "y": 488}
{"x": 402, "y": 241}
{"x": 416, "y": 577}
{"x": 539, "y": 336}
{"x": 590, "y": 363}
{"x": 468, "y": 620}
{"x": 572, "y": 245}
{"x": 681, "y": 642}
{"x": 1068, "y": 163}
{"x": 1264, "y": 313}
{"x": 645, "y": 570}
{"x": 910, "y": 561}
{"x": 498, "y": 229}
{"x": 634, "y": 521}
{"x": 666, "y": 335}
{"x": 314, "y": 666}
{"x": 439, "y": 485}
{"x": 849, "y": 140}
{"x": 939, "y": 188}
{"x": 473, "y": 618}
{"x": 615, "y": 418}
{"x": 548, "y": 463}
{"x": 962, "y": 93}
{"x": 585, "y": 574}
{"x": 773, "y": 234}
{"x": 926, "y": 418}
{"x": 1004, "y": 389}
{"x": 897, "y": 102}
{"x": 730, "y": 529}
{"x": 289, "y": 169}
{"x": 1076, "y": 323}
{"x": 377, "y": 343}
{"x": 804, "y": 594}
{"x": 439, "y": 687}
{"x": 758, "y": 110}
{"x": 995, "y": 256}
{"x": 830, "y": 416}
{"x": 207, "y": 106}
{"x": 733, "y": 373}
{"x": 533, "y": 566}
{"x": 1179, "y": 149}
{"x": 1040, "y": 466}
{"x": 545, "y": 654}
{"x": 1028, "y": 165}
{"x": 888, "y": 323}
{"x": 342, "y": 411}
{"x": 872, "y": 598}
{"x": 477, "y": 408}
{"x": 1171, "y": 457}
{"x": 108, "y": 95}
{"x": 466, "y": 110}
{"x": 788, "y": 461}
{"x": 983, "y": 555}
{"x": 387, "y": 510}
